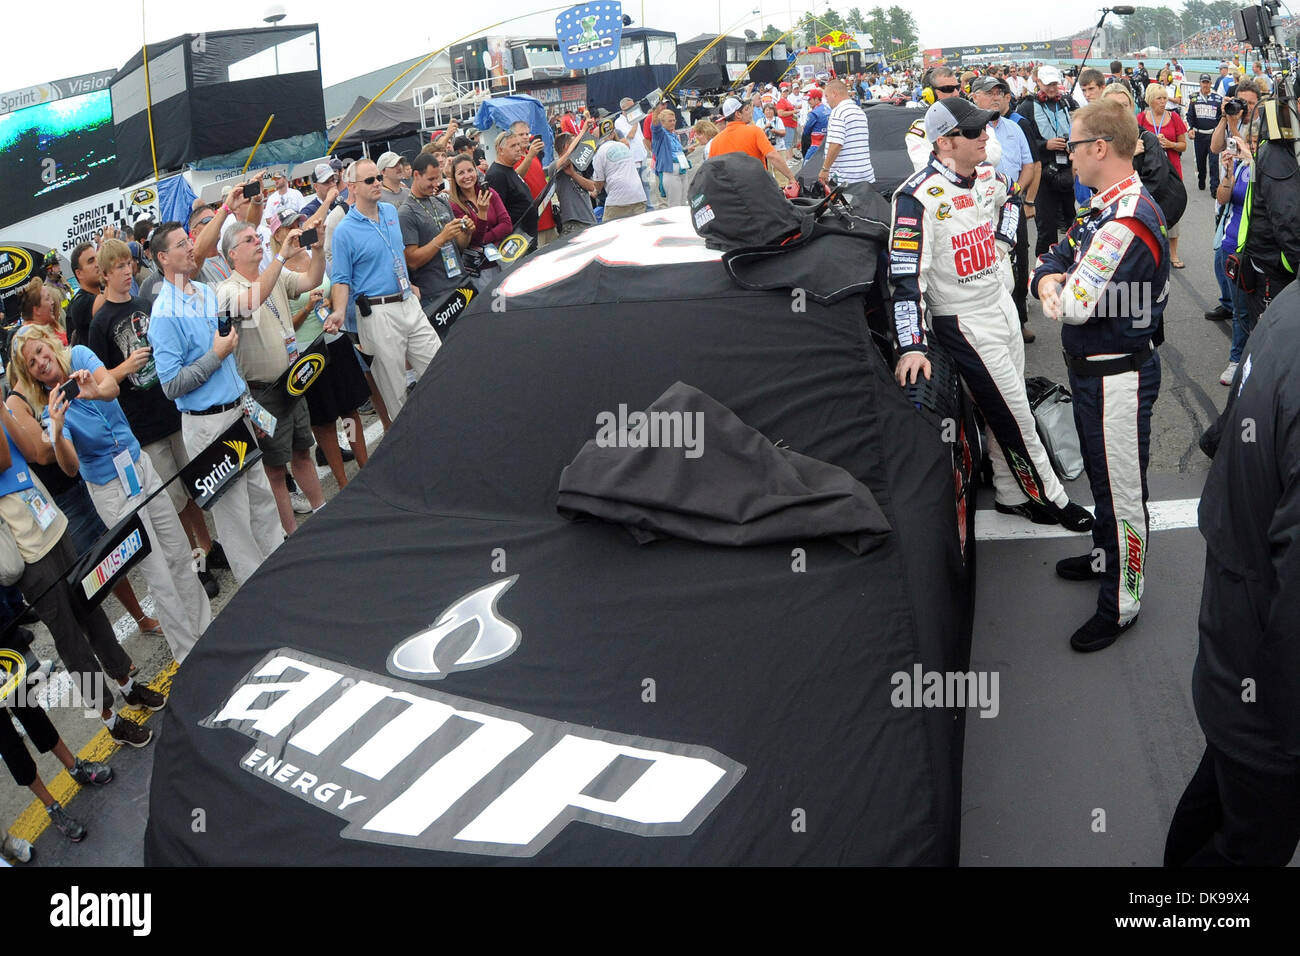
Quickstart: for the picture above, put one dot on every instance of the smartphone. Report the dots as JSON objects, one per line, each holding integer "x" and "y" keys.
{"x": 252, "y": 189}
{"x": 307, "y": 238}
{"x": 70, "y": 389}
{"x": 224, "y": 324}
{"x": 482, "y": 183}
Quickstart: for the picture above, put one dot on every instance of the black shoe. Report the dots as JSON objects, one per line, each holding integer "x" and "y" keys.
{"x": 1074, "y": 517}
{"x": 1201, "y": 186}
{"x": 1077, "y": 569}
{"x": 29, "y": 616}
{"x": 210, "y": 584}
{"x": 1217, "y": 313}
{"x": 217, "y": 557}
{"x": 1098, "y": 633}
{"x": 347, "y": 456}
{"x": 1027, "y": 509}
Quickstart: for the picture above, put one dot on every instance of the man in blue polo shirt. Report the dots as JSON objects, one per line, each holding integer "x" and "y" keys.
{"x": 368, "y": 265}
{"x": 197, "y": 369}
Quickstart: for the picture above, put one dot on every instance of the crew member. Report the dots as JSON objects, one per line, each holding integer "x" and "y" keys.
{"x": 1272, "y": 229}
{"x": 946, "y": 272}
{"x": 1108, "y": 282}
{"x": 1204, "y": 114}
{"x": 1242, "y": 806}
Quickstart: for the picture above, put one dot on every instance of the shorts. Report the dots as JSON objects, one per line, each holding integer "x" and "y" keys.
{"x": 169, "y": 456}
{"x": 292, "y": 427}
{"x": 788, "y": 142}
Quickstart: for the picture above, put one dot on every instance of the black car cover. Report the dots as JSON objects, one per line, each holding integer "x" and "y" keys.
{"x": 440, "y": 669}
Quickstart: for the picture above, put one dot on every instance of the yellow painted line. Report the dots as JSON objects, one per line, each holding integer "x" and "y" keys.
{"x": 33, "y": 821}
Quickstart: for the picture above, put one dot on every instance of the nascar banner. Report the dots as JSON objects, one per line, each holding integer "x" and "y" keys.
{"x": 107, "y": 563}
{"x": 303, "y": 371}
{"x": 589, "y": 34}
{"x": 210, "y": 473}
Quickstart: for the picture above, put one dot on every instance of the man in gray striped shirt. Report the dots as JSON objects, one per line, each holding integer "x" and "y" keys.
{"x": 848, "y": 146}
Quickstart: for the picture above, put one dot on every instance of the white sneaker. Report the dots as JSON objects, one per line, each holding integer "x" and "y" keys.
{"x": 301, "y": 506}
{"x": 1228, "y": 373}
{"x": 16, "y": 849}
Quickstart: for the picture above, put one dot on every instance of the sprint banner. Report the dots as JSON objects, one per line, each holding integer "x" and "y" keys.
{"x": 211, "y": 473}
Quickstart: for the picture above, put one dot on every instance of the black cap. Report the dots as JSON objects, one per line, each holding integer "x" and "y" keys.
{"x": 984, "y": 83}
{"x": 1206, "y": 78}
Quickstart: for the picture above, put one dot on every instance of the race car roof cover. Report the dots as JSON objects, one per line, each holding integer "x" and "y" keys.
{"x": 440, "y": 668}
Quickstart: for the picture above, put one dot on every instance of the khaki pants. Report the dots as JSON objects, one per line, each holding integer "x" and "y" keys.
{"x": 395, "y": 334}
{"x": 179, "y": 598}
{"x": 546, "y": 237}
{"x": 247, "y": 519}
{"x": 622, "y": 212}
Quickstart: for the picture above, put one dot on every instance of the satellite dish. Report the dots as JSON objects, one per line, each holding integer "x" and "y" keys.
{"x": 751, "y": 35}
{"x": 274, "y": 13}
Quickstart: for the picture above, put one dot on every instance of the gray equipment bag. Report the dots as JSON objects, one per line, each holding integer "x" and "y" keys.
{"x": 1053, "y": 409}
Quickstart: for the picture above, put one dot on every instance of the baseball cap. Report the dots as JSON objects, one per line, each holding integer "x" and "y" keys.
{"x": 953, "y": 114}
{"x": 1205, "y": 78}
{"x": 136, "y": 252}
{"x": 1047, "y": 75}
{"x": 983, "y": 84}
{"x": 387, "y": 161}
{"x": 731, "y": 105}
{"x": 286, "y": 216}
{"x": 1225, "y": 65}
{"x": 814, "y": 94}
{"x": 324, "y": 171}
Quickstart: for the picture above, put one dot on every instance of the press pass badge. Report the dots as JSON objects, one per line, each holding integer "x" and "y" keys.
{"x": 260, "y": 417}
{"x": 42, "y": 510}
{"x": 491, "y": 253}
{"x": 449, "y": 261}
{"x": 126, "y": 473}
{"x": 399, "y": 270}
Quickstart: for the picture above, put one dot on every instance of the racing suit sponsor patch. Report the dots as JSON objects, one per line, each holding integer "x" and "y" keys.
{"x": 963, "y": 202}
{"x": 935, "y": 190}
{"x": 906, "y": 220}
{"x": 1025, "y": 475}
{"x": 943, "y": 212}
{"x": 907, "y": 323}
{"x": 1134, "y": 551}
{"x": 906, "y": 244}
{"x": 902, "y": 232}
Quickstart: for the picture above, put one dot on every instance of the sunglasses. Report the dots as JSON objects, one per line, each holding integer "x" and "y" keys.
{"x": 1074, "y": 144}
{"x": 967, "y": 133}
{"x": 371, "y": 180}
{"x": 946, "y": 89}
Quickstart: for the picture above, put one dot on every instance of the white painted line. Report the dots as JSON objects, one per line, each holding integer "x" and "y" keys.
{"x": 1164, "y": 516}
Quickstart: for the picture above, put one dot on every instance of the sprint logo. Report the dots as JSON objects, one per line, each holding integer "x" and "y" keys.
{"x": 240, "y": 448}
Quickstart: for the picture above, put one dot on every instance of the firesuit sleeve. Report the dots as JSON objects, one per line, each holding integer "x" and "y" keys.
{"x": 1278, "y": 671}
{"x": 1086, "y": 281}
{"x": 1008, "y": 217}
{"x": 908, "y": 253}
{"x": 918, "y": 147}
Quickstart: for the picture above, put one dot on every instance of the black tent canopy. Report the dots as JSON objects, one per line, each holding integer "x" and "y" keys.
{"x": 385, "y": 120}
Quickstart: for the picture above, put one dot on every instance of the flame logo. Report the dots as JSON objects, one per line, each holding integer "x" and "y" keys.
{"x": 240, "y": 448}
{"x": 495, "y": 637}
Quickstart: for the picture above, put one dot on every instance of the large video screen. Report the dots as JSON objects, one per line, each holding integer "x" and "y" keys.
{"x": 55, "y": 153}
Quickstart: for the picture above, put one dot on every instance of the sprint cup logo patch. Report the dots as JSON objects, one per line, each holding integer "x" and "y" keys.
{"x": 408, "y": 766}
{"x": 304, "y": 373}
{"x": 512, "y": 247}
{"x": 13, "y": 671}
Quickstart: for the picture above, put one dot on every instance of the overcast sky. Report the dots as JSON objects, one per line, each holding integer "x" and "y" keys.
{"x": 83, "y": 36}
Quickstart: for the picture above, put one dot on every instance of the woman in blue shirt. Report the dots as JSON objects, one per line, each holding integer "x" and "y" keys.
{"x": 95, "y": 439}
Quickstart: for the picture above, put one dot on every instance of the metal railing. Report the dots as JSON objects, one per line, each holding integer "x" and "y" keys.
{"x": 455, "y": 99}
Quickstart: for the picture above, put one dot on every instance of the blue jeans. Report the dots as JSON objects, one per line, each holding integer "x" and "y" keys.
{"x": 1237, "y": 303}
{"x": 1225, "y": 287}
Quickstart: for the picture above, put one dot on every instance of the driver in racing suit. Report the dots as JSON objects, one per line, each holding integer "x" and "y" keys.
{"x": 943, "y": 85}
{"x": 1108, "y": 281}
{"x": 946, "y": 273}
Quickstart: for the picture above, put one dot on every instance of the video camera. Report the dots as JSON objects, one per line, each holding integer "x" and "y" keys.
{"x": 1279, "y": 114}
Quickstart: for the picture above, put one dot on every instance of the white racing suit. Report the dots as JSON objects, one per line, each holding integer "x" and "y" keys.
{"x": 948, "y": 276}
{"x": 919, "y": 148}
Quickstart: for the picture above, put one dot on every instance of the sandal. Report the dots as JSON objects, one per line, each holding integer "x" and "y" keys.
{"x": 155, "y": 627}
{"x": 1176, "y": 263}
